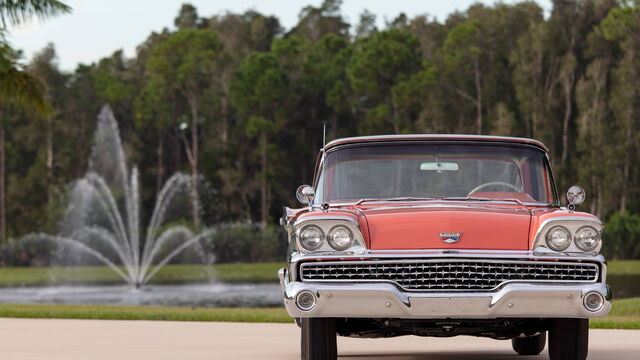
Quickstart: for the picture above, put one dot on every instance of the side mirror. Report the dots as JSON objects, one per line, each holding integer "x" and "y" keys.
{"x": 575, "y": 196}
{"x": 305, "y": 194}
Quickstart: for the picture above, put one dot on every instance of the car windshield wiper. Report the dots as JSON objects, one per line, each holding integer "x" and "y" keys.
{"x": 403, "y": 198}
{"x": 472, "y": 198}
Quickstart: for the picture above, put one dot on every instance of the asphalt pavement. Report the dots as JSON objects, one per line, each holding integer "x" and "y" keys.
{"x": 49, "y": 339}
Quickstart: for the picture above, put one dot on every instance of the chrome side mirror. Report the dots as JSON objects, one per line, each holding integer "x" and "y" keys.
{"x": 305, "y": 194}
{"x": 575, "y": 196}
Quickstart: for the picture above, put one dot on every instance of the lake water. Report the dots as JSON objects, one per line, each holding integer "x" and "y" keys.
{"x": 187, "y": 295}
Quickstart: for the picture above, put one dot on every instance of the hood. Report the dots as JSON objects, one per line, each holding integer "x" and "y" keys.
{"x": 429, "y": 226}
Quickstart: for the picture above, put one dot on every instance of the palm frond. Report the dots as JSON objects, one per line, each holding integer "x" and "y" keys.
{"x": 17, "y": 11}
{"x": 18, "y": 87}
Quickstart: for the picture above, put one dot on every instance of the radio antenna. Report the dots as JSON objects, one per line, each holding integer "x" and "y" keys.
{"x": 324, "y": 133}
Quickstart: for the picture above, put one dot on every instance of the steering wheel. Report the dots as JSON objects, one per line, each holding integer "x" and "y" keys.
{"x": 494, "y": 183}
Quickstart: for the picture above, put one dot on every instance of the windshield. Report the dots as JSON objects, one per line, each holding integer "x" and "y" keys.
{"x": 435, "y": 171}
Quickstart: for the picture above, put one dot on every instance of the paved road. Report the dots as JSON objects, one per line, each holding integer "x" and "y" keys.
{"x": 25, "y": 339}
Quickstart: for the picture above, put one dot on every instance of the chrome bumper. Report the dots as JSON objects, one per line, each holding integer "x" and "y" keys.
{"x": 382, "y": 300}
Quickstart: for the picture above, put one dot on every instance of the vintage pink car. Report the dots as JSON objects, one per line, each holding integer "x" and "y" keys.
{"x": 442, "y": 235}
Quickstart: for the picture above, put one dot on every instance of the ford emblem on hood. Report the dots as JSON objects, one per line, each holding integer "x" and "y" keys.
{"x": 449, "y": 237}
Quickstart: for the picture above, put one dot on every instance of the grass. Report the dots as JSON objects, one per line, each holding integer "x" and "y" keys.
{"x": 624, "y": 315}
{"x": 623, "y": 267}
{"x": 234, "y": 273}
{"x": 37, "y": 311}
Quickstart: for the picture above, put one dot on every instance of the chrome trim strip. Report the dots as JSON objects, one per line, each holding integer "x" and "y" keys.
{"x": 327, "y": 218}
{"x": 442, "y": 260}
{"x": 434, "y": 137}
{"x": 440, "y": 203}
{"x": 452, "y": 253}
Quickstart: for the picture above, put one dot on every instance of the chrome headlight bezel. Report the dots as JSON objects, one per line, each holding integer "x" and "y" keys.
{"x": 548, "y": 237}
{"x": 578, "y": 241}
{"x": 331, "y": 238}
{"x": 572, "y": 224}
{"x": 311, "y": 227}
{"x": 327, "y": 225}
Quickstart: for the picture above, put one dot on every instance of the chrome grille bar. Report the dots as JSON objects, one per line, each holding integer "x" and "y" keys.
{"x": 449, "y": 274}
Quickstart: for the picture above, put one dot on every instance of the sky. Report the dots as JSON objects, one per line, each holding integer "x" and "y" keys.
{"x": 97, "y": 28}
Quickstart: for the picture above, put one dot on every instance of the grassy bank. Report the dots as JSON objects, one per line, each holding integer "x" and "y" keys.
{"x": 623, "y": 267}
{"x": 34, "y": 276}
{"x": 624, "y": 315}
{"x": 275, "y": 315}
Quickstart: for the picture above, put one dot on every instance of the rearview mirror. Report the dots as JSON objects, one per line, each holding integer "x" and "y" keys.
{"x": 439, "y": 166}
{"x": 305, "y": 194}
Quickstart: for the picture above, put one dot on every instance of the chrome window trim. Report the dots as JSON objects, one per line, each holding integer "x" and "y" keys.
{"x": 442, "y": 260}
{"x": 439, "y": 203}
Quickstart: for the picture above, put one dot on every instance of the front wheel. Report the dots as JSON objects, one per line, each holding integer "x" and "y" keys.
{"x": 569, "y": 339}
{"x": 530, "y": 345}
{"x": 318, "y": 340}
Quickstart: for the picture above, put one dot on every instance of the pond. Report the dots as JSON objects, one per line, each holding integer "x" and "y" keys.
{"x": 186, "y": 295}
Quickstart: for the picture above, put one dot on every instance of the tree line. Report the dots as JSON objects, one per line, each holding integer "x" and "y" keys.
{"x": 240, "y": 103}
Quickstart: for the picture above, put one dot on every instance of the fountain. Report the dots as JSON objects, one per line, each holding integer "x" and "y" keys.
{"x": 95, "y": 224}
{"x": 102, "y": 221}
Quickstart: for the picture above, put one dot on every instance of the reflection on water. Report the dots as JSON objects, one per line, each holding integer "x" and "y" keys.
{"x": 187, "y": 295}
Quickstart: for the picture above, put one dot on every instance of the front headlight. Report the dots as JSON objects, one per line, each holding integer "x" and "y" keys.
{"x": 340, "y": 238}
{"x": 558, "y": 238}
{"x": 587, "y": 238}
{"x": 311, "y": 237}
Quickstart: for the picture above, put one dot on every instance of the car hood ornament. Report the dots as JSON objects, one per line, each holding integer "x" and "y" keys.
{"x": 449, "y": 237}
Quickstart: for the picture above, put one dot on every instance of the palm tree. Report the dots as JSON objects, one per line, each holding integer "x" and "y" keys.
{"x": 17, "y": 87}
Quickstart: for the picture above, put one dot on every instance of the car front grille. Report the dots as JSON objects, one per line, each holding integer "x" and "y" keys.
{"x": 449, "y": 274}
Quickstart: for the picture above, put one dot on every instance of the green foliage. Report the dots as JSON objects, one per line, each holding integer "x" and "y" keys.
{"x": 185, "y": 60}
{"x": 379, "y": 64}
{"x": 18, "y": 11}
{"x": 247, "y": 243}
{"x": 250, "y": 101}
{"x": 621, "y": 238}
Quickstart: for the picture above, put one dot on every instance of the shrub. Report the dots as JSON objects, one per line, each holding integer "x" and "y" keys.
{"x": 249, "y": 243}
{"x": 621, "y": 238}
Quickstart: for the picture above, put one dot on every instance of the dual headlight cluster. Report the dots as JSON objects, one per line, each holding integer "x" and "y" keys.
{"x": 312, "y": 237}
{"x": 586, "y": 238}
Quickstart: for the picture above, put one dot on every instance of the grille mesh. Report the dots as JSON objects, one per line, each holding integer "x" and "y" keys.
{"x": 448, "y": 275}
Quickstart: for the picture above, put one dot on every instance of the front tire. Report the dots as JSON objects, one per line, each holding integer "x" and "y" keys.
{"x": 569, "y": 339}
{"x": 318, "y": 340}
{"x": 530, "y": 345}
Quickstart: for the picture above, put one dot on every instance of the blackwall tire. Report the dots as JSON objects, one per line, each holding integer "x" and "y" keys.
{"x": 318, "y": 340}
{"x": 531, "y": 345}
{"x": 569, "y": 339}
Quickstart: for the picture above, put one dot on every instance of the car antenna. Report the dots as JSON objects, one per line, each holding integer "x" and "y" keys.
{"x": 324, "y": 133}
